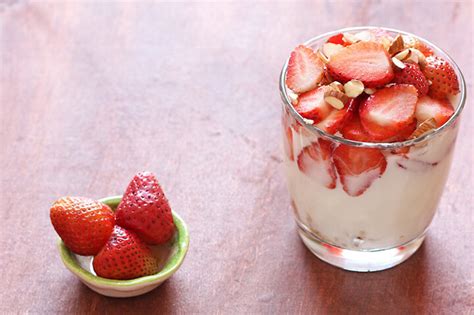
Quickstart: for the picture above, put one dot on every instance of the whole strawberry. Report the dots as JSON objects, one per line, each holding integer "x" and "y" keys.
{"x": 412, "y": 74}
{"x": 83, "y": 224}
{"x": 444, "y": 81}
{"x": 144, "y": 209}
{"x": 124, "y": 257}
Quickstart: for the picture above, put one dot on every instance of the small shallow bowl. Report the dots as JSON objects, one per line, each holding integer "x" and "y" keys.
{"x": 174, "y": 252}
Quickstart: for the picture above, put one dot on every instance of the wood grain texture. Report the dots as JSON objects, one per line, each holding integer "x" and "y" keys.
{"x": 92, "y": 92}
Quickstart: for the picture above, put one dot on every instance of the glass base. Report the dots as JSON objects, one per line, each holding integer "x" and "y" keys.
{"x": 361, "y": 261}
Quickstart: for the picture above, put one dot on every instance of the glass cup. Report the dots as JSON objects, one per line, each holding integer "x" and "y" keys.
{"x": 387, "y": 223}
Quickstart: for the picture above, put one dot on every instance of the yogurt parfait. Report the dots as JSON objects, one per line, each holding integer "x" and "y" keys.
{"x": 370, "y": 118}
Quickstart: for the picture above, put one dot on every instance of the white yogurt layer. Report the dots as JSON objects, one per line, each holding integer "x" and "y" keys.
{"x": 395, "y": 209}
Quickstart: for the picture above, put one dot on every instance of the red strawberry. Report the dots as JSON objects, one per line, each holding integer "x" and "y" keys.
{"x": 338, "y": 39}
{"x": 125, "y": 256}
{"x": 144, "y": 209}
{"x": 368, "y": 62}
{"x": 444, "y": 81}
{"x": 305, "y": 70}
{"x": 311, "y": 105}
{"x": 337, "y": 118}
{"x": 389, "y": 111}
{"x": 353, "y": 130}
{"x": 405, "y": 133}
{"x": 412, "y": 74}
{"x": 315, "y": 161}
{"x": 358, "y": 167}
{"x": 83, "y": 224}
{"x": 439, "y": 109}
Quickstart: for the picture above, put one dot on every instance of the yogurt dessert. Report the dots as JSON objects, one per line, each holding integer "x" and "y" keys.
{"x": 369, "y": 127}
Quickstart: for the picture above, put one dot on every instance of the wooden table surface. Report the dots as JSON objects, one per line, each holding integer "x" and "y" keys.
{"x": 92, "y": 92}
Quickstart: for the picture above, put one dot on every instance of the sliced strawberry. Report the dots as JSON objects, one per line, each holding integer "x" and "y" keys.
{"x": 358, "y": 167}
{"x": 389, "y": 111}
{"x": 315, "y": 161}
{"x": 305, "y": 70}
{"x": 353, "y": 130}
{"x": 337, "y": 118}
{"x": 412, "y": 74}
{"x": 338, "y": 39}
{"x": 439, "y": 109}
{"x": 311, "y": 105}
{"x": 405, "y": 133}
{"x": 444, "y": 81}
{"x": 368, "y": 62}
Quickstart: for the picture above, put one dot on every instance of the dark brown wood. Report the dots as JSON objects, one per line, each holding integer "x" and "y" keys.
{"x": 93, "y": 92}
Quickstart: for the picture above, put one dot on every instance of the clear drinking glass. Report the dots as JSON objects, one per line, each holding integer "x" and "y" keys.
{"x": 387, "y": 223}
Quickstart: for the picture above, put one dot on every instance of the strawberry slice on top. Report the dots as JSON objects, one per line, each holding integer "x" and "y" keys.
{"x": 358, "y": 168}
{"x": 311, "y": 105}
{"x": 305, "y": 70}
{"x": 389, "y": 111}
{"x": 337, "y": 118}
{"x": 444, "y": 81}
{"x": 412, "y": 74}
{"x": 338, "y": 39}
{"x": 315, "y": 161}
{"x": 439, "y": 109}
{"x": 353, "y": 130}
{"x": 368, "y": 62}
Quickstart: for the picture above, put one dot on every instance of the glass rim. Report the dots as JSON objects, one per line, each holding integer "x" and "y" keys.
{"x": 379, "y": 145}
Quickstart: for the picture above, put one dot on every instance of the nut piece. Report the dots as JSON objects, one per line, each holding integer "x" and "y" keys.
{"x": 308, "y": 121}
{"x": 423, "y": 128}
{"x": 409, "y": 41}
{"x": 354, "y": 88}
{"x": 369, "y": 91}
{"x": 349, "y": 38}
{"x": 412, "y": 57}
{"x": 337, "y": 86}
{"x": 330, "y": 49}
{"x": 337, "y": 94}
{"x": 421, "y": 56}
{"x": 398, "y": 63}
{"x": 322, "y": 56}
{"x": 293, "y": 96}
{"x": 334, "y": 102}
{"x": 403, "y": 54}
{"x": 397, "y": 45}
{"x": 386, "y": 42}
{"x": 335, "y": 98}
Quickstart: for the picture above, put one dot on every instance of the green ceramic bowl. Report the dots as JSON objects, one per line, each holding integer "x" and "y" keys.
{"x": 81, "y": 266}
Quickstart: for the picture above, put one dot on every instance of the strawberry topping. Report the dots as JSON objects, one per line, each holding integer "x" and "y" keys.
{"x": 305, "y": 70}
{"x": 389, "y": 111}
{"x": 412, "y": 74}
{"x": 444, "y": 81}
{"x": 439, "y": 109}
{"x": 337, "y": 118}
{"x": 368, "y": 62}
{"x": 338, "y": 40}
{"x": 353, "y": 130}
{"x": 311, "y": 105}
